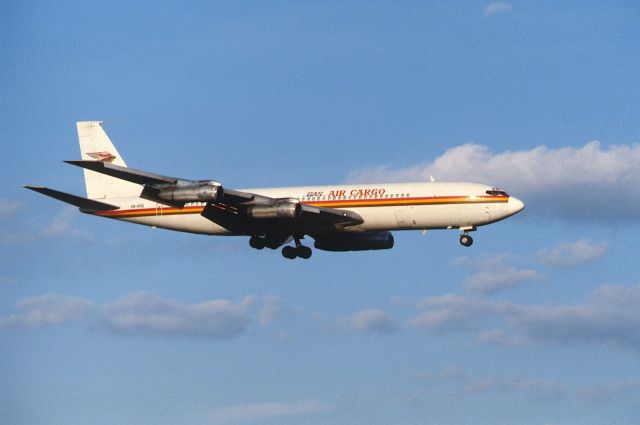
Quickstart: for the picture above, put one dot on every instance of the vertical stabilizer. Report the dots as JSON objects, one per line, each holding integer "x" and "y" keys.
{"x": 96, "y": 146}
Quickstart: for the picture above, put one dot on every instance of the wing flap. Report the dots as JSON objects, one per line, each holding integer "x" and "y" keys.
{"x": 225, "y": 216}
{"x": 322, "y": 216}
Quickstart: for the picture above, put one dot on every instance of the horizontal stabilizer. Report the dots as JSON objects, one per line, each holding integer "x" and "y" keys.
{"x": 85, "y": 205}
{"x": 124, "y": 173}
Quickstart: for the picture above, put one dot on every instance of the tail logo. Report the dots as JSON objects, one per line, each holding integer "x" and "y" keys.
{"x": 102, "y": 156}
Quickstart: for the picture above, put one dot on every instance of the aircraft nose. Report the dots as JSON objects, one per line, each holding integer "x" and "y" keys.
{"x": 515, "y": 205}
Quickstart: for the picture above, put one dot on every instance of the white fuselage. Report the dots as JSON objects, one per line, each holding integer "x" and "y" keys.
{"x": 387, "y": 206}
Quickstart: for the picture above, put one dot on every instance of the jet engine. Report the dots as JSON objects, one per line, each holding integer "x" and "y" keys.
{"x": 281, "y": 208}
{"x": 186, "y": 191}
{"x": 355, "y": 241}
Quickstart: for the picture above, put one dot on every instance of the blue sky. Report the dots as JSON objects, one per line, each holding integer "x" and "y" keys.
{"x": 538, "y": 323}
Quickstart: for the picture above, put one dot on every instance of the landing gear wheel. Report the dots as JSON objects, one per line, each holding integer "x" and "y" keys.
{"x": 289, "y": 252}
{"x": 257, "y": 242}
{"x": 466, "y": 240}
{"x": 303, "y": 252}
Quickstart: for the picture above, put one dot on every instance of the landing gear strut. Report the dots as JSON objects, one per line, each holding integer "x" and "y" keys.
{"x": 299, "y": 250}
{"x": 466, "y": 240}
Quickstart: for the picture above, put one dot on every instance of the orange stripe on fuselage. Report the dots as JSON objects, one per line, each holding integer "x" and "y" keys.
{"x": 147, "y": 212}
{"x": 337, "y": 203}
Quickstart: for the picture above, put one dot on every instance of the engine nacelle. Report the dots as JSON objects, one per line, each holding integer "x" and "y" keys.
{"x": 282, "y": 208}
{"x": 355, "y": 241}
{"x": 202, "y": 191}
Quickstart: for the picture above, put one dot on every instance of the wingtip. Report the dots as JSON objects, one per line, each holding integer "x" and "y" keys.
{"x": 35, "y": 188}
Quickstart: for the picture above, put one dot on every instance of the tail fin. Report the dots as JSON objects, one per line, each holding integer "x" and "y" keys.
{"x": 96, "y": 146}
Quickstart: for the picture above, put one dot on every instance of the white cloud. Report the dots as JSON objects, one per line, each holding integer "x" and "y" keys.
{"x": 455, "y": 311}
{"x": 62, "y": 225}
{"x": 572, "y": 254}
{"x": 609, "y": 316}
{"x": 270, "y": 310}
{"x": 495, "y": 274}
{"x": 273, "y": 308}
{"x": 369, "y": 320}
{"x": 261, "y": 411}
{"x": 8, "y": 207}
{"x": 139, "y": 313}
{"x": 149, "y": 313}
{"x": 497, "y": 7}
{"x": 492, "y": 281}
{"x": 586, "y": 183}
{"x": 494, "y": 337}
{"x": 50, "y": 309}
{"x": 614, "y": 323}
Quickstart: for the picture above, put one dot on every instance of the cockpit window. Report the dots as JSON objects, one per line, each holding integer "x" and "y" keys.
{"x": 496, "y": 192}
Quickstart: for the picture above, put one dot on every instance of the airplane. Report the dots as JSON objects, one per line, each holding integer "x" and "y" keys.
{"x": 351, "y": 217}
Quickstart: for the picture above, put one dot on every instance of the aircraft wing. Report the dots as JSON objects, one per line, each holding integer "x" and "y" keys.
{"x": 156, "y": 185}
{"x": 124, "y": 173}
{"x": 309, "y": 220}
{"x": 147, "y": 178}
{"x": 235, "y": 210}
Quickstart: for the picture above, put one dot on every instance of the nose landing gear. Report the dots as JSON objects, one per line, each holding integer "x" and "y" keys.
{"x": 466, "y": 240}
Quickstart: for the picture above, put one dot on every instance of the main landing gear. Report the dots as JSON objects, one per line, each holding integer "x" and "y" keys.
{"x": 290, "y": 252}
{"x": 299, "y": 250}
{"x": 257, "y": 242}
